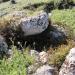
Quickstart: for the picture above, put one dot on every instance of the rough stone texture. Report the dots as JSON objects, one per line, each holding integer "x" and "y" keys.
{"x": 40, "y": 59}
{"x": 43, "y": 57}
{"x": 63, "y": 29}
{"x": 68, "y": 67}
{"x": 34, "y": 25}
{"x": 56, "y": 35}
{"x": 41, "y": 67}
{"x": 3, "y": 46}
{"x": 10, "y": 54}
{"x": 45, "y": 70}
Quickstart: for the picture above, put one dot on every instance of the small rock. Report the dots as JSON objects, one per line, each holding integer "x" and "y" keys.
{"x": 3, "y": 46}
{"x": 43, "y": 57}
{"x": 9, "y": 54}
{"x": 65, "y": 30}
{"x": 57, "y": 37}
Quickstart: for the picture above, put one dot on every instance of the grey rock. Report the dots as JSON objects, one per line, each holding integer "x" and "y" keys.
{"x": 3, "y": 46}
{"x": 43, "y": 57}
{"x": 45, "y": 70}
{"x": 57, "y": 37}
{"x": 63, "y": 29}
{"x": 34, "y": 25}
{"x": 68, "y": 67}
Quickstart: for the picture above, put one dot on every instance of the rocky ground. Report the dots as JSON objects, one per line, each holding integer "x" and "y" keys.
{"x": 36, "y": 28}
{"x": 39, "y": 34}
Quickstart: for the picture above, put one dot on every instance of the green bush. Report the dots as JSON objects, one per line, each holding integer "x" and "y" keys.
{"x": 17, "y": 65}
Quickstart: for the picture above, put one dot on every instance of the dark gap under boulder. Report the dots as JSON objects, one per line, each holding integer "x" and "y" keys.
{"x": 50, "y": 37}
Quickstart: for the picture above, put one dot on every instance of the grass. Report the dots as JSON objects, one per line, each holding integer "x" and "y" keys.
{"x": 64, "y": 18}
{"x": 57, "y": 55}
{"x": 18, "y": 63}
{"x": 7, "y": 7}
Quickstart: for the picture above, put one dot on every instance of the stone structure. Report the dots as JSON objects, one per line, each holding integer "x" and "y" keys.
{"x": 34, "y": 25}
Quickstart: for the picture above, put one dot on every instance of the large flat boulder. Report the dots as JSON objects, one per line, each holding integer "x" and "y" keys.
{"x": 35, "y": 24}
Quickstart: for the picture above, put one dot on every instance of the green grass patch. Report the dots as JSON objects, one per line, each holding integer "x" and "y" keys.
{"x": 7, "y": 7}
{"x": 65, "y": 18}
{"x": 17, "y": 65}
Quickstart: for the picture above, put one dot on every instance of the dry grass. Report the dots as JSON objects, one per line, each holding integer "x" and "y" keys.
{"x": 57, "y": 55}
